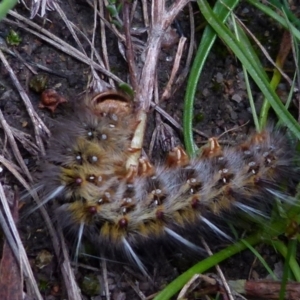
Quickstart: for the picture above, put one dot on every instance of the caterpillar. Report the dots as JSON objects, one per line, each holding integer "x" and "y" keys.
{"x": 119, "y": 208}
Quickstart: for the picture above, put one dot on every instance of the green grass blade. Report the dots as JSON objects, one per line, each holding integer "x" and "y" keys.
{"x": 207, "y": 41}
{"x": 253, "y": 69}
{"x": 5, "y": 6}
{"x": 271, "y": 13}
{"x": 261, "y": 259}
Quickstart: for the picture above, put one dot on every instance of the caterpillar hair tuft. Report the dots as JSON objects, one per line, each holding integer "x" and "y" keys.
{"x": 114, "y": 206}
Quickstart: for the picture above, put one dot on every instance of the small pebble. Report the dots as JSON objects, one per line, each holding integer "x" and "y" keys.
{"x": 237, "y": 98}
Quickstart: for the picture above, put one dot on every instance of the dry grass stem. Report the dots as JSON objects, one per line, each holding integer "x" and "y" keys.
{"x": 185, "y": 289}
{"x": 167, "y": 91}
{"x": 221, "y": 274}
{"x": 181, "y": 78}
{"x": 105, "y": 278}
{"x": 38, "y": 124}
{"x": 103, "y": 41}
{"x": 145, "y": 13}
{"x": 59, "y": 44}
{"x": 128, "y": 45}
{"x": 14, "y": 145}
{"x": 136, "y": 289}
{"x": 69, "y": 25}
{"x": 264, "y": 51}
{"x": 73, "y": 290}
{"x": 18, "y": 248}
{"x": 60, "y": 251}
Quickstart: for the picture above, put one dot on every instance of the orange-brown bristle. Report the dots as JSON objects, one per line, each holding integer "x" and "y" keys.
{"x": 213, "y": 149}
{"x": 177, "y": 157}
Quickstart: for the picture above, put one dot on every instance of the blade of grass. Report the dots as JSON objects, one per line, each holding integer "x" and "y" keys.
{"x": 271, "y": 13}
{"x": 286, "y": 270}
{"x": 277, "y": 227}
{"x": 292, "y": 262}
{"x": 261, "y": 259}
{"x": 205, "y": 265}
{"x": 253, "y": 69}
{"x": 207, "y": 41}
{"x": 242, "y": 37}
{"x": 283, "y": 5}
{"x": 5, "y": 6}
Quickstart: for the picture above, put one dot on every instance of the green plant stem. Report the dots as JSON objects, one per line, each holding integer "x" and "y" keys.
{"x": 241, "y": 37}
{"x": 261, "y": 259}
{"x": 293, "y": 264}
{"x": 276, "y": 17}
{"x": 275, "y": 229}
{"x": 5, "y": 6}
{"x": 222, "y": 9}
{"x": 263, "y": 117}
{"x": 283, "y": 5}
{"x": 253, "y": 69}
{"x": 205, "y": 265}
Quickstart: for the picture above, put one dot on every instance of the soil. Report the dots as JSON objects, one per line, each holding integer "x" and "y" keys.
{"x": 221, "y": 104}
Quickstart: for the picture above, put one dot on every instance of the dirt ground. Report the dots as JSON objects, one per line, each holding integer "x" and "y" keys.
{"x": 221, "y": 104}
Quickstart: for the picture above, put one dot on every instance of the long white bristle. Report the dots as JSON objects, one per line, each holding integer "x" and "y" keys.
{"x": 79, "y": 239}
{"x": 216, "y": 229}
{"x": 249, "y": 210}
{"x": 182, "y": 240}
{"x": 131, "y": 254}
{"x": 283, "y": 197}
{"x": 54, "y": 193}
{"x": 57, "y": 191}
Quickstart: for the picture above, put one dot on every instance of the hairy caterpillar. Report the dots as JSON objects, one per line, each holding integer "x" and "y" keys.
{"x": 100, "y": 198}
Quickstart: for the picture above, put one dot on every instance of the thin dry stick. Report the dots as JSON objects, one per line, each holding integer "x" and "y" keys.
{"x": 265, "y": 52}
{"x": 186, "y": 287}
{"x": 59, "y": 44}
{"x": 105, "y": 278}
{"x": 97, "y": 55}
{"x": 167, "y": 92}
{"x": 66, "y": 269}
{"x": 136, "y": 289}
{"x": 97, "y": 86}
{"x": 58, "y": 245}
{"x": 108, "y": 24}
{"x": 224, "y": 281}
{"x": 38, "y": 124}
{"x": 26, "y": 140}
{"x": 128, "y": 45}
{"x": 21, "y": 255}
{"x": 133, "y": 9}
{"x": 144, "y": 92}
{"x": 69, "y": 278}
{"x": 16, "y": 53}
{"x": 15, "y": 170}
{"x": 69, "y": 25}
{"x": 113, "y": 27}
{"x": 12, "y": 244}
{"x": 137, "y": 43}
{"x": 83, "y": 32}
{"x": 157, "y": 119}
{"x": 14, "y": 145}
{"x": 103, "y": 41}
{"x": 145, "y": 13}
{"x": 160, "y": 21}
{"x": 181, "y": 78}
